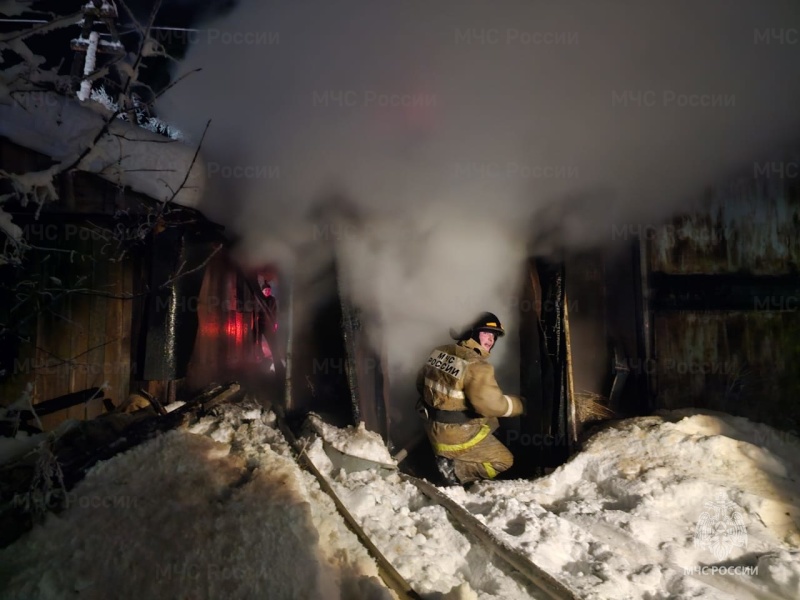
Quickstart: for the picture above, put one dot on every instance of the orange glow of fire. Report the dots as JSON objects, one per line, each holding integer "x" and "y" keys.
{"x": 236, "y": 328}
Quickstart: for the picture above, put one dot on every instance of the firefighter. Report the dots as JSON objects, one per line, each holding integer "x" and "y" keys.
{"x": 268, "y": 327}
{"x": 460, "y": 402}
{"x": 271, "y": 305}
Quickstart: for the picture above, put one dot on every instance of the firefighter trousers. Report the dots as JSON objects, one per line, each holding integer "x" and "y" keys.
{"x": 485, "y": 460}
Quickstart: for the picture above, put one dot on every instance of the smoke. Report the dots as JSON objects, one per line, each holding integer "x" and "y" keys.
{"x": 447, "y": 140}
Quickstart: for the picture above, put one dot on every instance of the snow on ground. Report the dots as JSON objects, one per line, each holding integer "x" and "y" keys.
{"x": 222, "y": 511}
{"x": 415, "y": 535}
{"x": 622, "y": 519}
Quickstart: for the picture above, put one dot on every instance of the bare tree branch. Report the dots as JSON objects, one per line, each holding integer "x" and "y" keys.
{"x": 53, "y": 25}
{"x": 202, "y": 265}
{"x": 191, "y": 165}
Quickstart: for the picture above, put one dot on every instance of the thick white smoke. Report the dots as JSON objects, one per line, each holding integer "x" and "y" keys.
{"x": 462, "y": 135}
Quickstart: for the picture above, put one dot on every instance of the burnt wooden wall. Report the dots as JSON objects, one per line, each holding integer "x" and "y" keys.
{"x": 725, "y": 294}
{"x": 74, "y": 298}
{"x": 84, "y": 328}
{"x": 83, "y": 338}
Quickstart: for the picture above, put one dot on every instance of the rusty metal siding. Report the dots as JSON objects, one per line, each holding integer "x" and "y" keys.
{"x": 751, "y": 226}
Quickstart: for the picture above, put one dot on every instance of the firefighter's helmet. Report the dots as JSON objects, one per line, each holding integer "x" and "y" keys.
{"x": 486, "y": 322}
{"x": 489, "y": 322}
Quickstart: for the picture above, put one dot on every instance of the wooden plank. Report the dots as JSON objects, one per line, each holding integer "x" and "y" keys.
{"x": 62, "y": 402}
{"x": 77, "y": 368}
{"x": 123, "y": 372}
{"x": 208, "y": 351}
{"x": 71, "y": 322}
{"x": 61, "y": 344}
{"x": 113, "y": 333}
{"x": 154, "y": 402}
{"x": 26, "y": 324}
{"x": 530, "y": 349}
{"x": 96, "y": 338}
{"x": 43, "y": 377}
{"x": 157, "y": 388}
{"x": 364, "y": 373}
{"x": 228, "y": 394}
{"x": 139, "y": 279}
{"x": 724, "y": 292}
{"x": 23, "y": 370}
{"x": 572, "y": 413}
{"x": 225, "y": 340}
{"x": 54, "y": 336}
{"x": 742, "y": 363}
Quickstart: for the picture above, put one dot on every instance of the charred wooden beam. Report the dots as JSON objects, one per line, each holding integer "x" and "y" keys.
{"x": 62, "y": 402}
{"x": 178, "y": 261}
{"x": 543, "y": 372}
{"x": 724, "y": 292}
{"x": 230, "y": 393}
{"x": 366, "y": 374}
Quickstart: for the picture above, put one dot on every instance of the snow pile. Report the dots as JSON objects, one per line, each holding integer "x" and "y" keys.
{"x": 185, "y": 516}
{"x": 623, "y": 519}
{"x": 355, "y": 441}
{"x": 676, "y": 506}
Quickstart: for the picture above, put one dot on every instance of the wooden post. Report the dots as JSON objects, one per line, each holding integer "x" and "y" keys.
{"x": 572, "y": 413}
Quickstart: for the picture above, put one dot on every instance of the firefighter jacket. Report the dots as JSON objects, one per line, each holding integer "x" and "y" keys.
{"x": 458, "y": 377}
